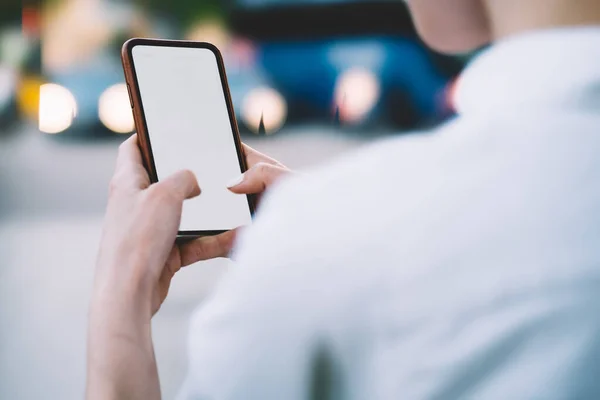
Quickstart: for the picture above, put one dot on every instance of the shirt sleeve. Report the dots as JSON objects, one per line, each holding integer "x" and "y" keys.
{"x": 259, "y": 336}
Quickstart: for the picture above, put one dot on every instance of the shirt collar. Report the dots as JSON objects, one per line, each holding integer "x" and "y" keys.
{"x": 534, "y": 70}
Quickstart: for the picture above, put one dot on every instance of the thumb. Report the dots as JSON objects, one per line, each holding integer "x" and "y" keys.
{"x": 183, "y": 184}
{"x": 257, "y": 179}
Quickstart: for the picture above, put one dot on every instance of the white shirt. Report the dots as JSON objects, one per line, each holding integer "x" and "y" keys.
{"x": 464, "y": 263}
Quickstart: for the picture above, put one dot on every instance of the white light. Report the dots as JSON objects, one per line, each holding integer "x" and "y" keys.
{"x": 266, "y": 104}
{"x": 58, "y": 108}
{"x": 357, "y": 92}
{"x": 114, "y": 109}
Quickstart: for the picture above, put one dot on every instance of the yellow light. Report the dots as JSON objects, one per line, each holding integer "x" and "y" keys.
{"x": 264, "y": 104}
{"x": 28, "y": 96}
{"x": 57, "y": 110}
{"x": 114, "y": 109}
{"x": 356, "y": 94}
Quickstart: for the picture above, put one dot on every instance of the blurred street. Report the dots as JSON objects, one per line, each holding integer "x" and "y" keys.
{"x": 52, "y": 196}
{"x": 294, "y": 68}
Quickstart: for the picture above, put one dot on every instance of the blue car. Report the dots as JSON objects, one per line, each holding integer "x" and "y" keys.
{"x": 88, "y": 98}
{"x": 355, "y": 63}
{"x": 86, "y": 95}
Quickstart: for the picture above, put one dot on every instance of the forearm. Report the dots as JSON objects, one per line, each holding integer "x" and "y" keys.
{"x": 121, "y": 362}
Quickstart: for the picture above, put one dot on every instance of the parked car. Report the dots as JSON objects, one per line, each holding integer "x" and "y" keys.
{"x": 86, "y": 95}
{"x": 259, "y": 107}
{"x": 324, "y": 61}
{"x": 86, "y": 99}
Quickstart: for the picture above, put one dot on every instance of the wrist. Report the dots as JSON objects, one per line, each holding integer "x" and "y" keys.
{"x": 122, "y": 289}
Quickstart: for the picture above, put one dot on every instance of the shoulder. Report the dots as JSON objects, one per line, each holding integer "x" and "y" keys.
{"x": 332, "y": 192}
{"x": 317, "y": 225}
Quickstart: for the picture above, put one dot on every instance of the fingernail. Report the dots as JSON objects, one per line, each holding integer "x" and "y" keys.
{"x": 236, "y": 181}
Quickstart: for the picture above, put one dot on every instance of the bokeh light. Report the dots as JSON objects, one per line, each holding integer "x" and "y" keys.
{"x": 114, "y": 109}
{"x": 357, "y": 91}
{"x": 264, "y": 104}
{"x": 58, "y": 108}
{"x": 211, "y": 31}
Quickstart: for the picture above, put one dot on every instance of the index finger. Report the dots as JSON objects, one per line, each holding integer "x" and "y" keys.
{"x": 254, "y": 157}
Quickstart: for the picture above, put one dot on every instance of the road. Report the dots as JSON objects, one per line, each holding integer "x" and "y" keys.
{"x": 52, "y": 196}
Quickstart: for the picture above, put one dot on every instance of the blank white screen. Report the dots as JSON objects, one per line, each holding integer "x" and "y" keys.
{"x": 189, "y": 128}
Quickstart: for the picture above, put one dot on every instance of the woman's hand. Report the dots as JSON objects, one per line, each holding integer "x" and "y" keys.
{"x": 138, "y": 255}
{"x": 138, "y": 250}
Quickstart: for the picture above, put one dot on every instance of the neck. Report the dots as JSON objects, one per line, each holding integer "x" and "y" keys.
{"x": 511, "y": 17}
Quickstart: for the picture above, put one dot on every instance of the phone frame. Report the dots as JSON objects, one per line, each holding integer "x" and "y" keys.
{"x": 140, "y": 117}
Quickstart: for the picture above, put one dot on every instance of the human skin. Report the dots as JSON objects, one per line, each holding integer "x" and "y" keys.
{"x": 138, "y": 257}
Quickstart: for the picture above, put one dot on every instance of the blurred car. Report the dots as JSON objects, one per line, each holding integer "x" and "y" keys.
{"x": 353, "y": 62}
{"x": 84, "y": 93}
{"x": 258, "y": 105}
{"x": 89, "y": 98}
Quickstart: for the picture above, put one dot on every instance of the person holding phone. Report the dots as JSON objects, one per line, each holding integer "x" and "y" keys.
{"x": 459, "y": 264}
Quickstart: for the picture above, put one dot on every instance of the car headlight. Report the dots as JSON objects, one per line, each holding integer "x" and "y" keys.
{"x": 264, "y": 106}
{"x": 357, "y": 92}
{"x": 58, "y": 108}
{"x": 114, "y": 109}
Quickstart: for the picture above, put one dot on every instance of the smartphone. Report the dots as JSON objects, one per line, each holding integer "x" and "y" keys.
{"x": 185, "y": 120}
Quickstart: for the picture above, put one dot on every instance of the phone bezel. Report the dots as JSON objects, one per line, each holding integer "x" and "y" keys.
{"x": 140, "y": 117}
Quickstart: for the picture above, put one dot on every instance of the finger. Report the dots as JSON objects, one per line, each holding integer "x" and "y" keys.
{"x": 206, "y": 248}
{"x": 129, "y": 171}
{"x": 254, "y": 157}
{"x": 129, "y": 153}
{"x": 183, "y": 185}
{"x": 257, "y": 179}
